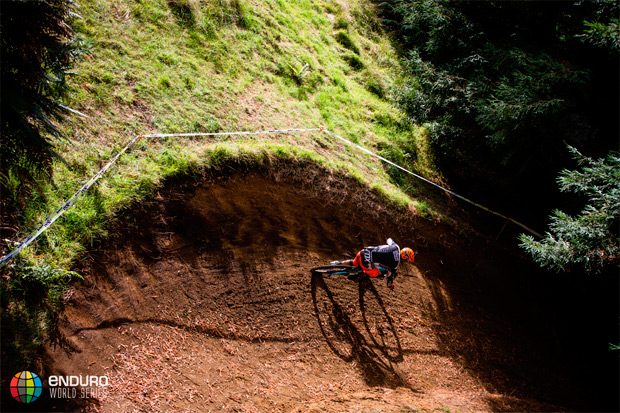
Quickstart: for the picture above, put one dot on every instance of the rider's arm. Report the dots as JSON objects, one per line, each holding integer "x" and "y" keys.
{"x": 390, "y": 278}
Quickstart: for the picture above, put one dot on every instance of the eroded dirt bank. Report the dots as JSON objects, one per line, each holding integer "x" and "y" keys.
{"x": 204, "y": 301}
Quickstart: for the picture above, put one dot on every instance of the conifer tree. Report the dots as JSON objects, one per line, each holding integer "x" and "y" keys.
{"x": 37, "y": 51}
{"x": 590, "y": 240}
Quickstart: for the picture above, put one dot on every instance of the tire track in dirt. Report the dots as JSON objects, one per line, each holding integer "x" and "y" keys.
{"x": 208, "y": 285}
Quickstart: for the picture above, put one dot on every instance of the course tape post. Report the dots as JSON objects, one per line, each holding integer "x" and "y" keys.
{"x": 63, "y": 208}
{"x": 431, "y": 182}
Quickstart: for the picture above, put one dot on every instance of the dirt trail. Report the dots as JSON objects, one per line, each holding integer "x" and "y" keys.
{"x": 204, "y": 301}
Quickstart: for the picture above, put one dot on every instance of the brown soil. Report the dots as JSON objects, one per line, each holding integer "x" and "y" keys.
{"x": 203, "y": 300}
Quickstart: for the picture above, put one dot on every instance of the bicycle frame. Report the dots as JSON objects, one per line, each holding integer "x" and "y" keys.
{"x": 341, "y": 270}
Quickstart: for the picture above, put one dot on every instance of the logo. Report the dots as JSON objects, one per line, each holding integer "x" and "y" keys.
{"x": 26, "y": 387}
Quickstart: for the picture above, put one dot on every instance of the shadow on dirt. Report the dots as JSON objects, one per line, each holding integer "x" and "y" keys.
{"x": 208, "y": 258}
{"x": 533, "y": 338}
{"x": 367, "y": 336}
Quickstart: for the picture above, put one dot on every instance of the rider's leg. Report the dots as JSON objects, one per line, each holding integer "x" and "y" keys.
{"x": 357, "y": 263}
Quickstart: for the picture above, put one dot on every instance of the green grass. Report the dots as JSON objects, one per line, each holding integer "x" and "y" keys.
{"x": 226, "y": 65}
{"x": 177, "y": 66}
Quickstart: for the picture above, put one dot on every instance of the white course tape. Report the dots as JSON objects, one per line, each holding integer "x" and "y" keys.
{"x": 60, "y": 211}
{"x": 168, "y": 135}
{"x": 431, "y": 182}
{"x": 64, "y": 207}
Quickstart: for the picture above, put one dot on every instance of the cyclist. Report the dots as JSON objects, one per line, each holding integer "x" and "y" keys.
{"x": 372, "y": 260}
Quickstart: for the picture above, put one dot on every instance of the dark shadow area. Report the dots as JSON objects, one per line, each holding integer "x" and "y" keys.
{"x": 182, "y": 10}
{"x": 378, "y": 323}
{"x": 204, "y": 330}
{"x": 527, "y": 334}
{"x": 375, "y": 359}
{"x": 522, "y": 185}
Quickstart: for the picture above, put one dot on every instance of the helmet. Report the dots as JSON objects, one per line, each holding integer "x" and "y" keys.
{"x": 407, "y": 254}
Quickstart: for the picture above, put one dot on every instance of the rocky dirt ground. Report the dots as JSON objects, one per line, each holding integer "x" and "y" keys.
{"x": 204, "y": 301}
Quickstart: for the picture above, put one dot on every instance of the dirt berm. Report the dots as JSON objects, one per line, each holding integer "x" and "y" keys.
{"x": 202, "y": 299}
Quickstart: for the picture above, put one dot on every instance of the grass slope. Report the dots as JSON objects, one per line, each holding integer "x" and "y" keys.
{"x": 226, "y": 65}
{"x": 182, "y": 66}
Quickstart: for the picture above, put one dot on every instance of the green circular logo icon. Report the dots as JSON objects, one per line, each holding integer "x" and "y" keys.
{"x": 26, "y": 387}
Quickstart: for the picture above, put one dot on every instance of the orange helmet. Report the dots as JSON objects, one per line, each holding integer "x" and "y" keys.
{"x": 407, "y": 254}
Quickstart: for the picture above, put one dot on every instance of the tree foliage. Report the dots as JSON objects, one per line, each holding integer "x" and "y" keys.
{"x": 38, "y": 50}
{"x": 603, "y": 30}
{"x": 503, "y": 85}
{"x": 592, "y": 239}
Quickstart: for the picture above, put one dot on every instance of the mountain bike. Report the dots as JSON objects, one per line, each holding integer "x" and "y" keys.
{"x": 342, "y": 270}
{"x": 350, "y": 272}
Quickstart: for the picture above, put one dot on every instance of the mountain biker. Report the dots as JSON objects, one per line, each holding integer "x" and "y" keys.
{"x": 372, "y": 260}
